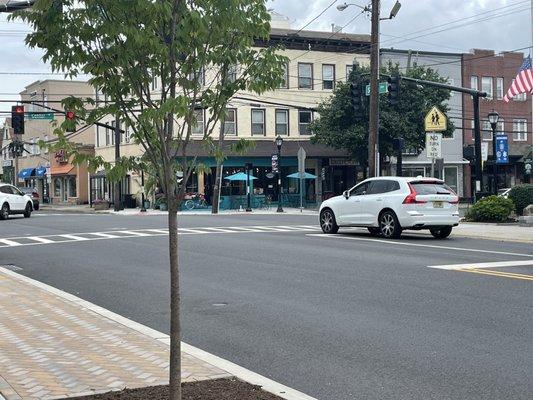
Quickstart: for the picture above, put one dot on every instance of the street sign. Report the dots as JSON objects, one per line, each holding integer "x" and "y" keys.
{"x": 383, "y": 88}
{"x": 435, "y": 120}
{"x": 301, "y": 161}
{"x": 7, "y": 163}
{"x": 433, "y": 145}
{"x": 484, "y": 152}
{"x": 275, "y": 163}
{"x": 47, "y": 116}
{"x": 502, "y": 149}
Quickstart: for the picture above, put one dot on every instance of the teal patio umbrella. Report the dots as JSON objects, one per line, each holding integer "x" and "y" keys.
{"x": 239, "y": 176}
{"x": 307, "y": 175}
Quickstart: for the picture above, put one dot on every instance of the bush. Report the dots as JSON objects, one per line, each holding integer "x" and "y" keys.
{"x": 491, "y": 209}
{"x": 521, "y": 196}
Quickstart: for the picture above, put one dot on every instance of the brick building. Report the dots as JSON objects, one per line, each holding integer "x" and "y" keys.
{"x": 493, "y": 73}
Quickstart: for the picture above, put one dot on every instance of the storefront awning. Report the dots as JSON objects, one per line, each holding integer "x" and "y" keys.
{"x": 40, "y": 172}
{"x": 26, "y": 173}
{"x": 61, "y": 170}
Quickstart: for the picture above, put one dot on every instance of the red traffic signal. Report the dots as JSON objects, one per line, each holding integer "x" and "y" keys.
{"x": 19, "y": 110}
{"x": 70, "y": 115}
{"x": 17, "y": 119}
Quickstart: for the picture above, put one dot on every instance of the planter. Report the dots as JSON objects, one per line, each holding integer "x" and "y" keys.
{"x": 101, "y": 205}
{"x": 163, "y": 207}
{"x": 146, "y": 204}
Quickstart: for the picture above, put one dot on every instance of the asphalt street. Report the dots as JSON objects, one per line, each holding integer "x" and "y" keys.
{"x": 337, "y": 317}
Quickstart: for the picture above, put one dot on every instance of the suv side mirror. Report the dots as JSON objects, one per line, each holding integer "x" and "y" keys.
{"x": 346, "y": 194}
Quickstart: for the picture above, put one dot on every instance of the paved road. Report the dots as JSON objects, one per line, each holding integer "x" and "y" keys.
{"x": 343, "y": 317}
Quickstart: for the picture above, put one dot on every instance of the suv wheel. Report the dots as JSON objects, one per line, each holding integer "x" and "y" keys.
{"x": 27, "y": 211}
{"x": 441, "y": 233}
{"x": 4, "y": 211}
{"x": 389, "y": 226}
{"x": 327, "y": 221}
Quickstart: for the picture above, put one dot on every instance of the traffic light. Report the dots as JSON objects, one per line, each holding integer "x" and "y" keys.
{"x": 17, "y": 119}
{"x": 394, "y": 88}
{"x": 355, "y": 99}
{"x": 70, "y": 119}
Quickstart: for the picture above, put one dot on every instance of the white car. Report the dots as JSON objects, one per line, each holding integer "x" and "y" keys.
{"x": 13, "y": 201}
{"x": 388, "y": 205}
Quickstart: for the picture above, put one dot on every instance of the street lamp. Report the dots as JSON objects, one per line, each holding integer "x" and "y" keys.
{"x": 493, "y": 119}
{"x": 279, "y": 143}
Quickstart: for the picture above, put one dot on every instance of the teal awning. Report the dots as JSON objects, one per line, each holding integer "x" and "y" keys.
{"x": 307, "y": 175}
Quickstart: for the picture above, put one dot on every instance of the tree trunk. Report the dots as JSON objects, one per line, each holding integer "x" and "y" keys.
{"x": 175, "y": 298}
{"x": 218, "y": 177}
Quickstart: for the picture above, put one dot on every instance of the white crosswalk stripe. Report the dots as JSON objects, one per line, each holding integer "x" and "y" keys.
{"x": 136, "y": 233}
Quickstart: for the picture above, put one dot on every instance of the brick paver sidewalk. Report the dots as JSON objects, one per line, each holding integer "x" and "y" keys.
{"x": 52, "y": 347}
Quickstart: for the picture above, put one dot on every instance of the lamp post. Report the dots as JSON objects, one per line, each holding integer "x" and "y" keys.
{"x": 143, "y": 208}
{"x": 279, "y": 143}
{"x": 493, "y": 119}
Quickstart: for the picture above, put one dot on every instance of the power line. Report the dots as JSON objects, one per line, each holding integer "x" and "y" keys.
{"x": 318, "y": 16}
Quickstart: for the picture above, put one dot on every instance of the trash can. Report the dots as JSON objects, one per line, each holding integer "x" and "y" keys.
{"x": 129, "y": 201}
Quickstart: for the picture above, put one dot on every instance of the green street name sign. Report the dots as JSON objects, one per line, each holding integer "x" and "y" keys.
{"x": 383, "y": 88}
{"x": 47, "y": 116}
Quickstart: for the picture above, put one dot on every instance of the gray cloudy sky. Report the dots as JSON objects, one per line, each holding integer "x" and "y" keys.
{"x": 420, "y": 24}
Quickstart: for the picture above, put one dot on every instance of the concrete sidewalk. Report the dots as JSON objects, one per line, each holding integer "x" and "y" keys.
{"x": 501, "y": 232}
{"x": 54, "y": 345}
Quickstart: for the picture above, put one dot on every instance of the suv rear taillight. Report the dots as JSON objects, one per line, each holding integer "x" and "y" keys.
{"x": 35, "y": 195}
{"x": 411, "y": 197}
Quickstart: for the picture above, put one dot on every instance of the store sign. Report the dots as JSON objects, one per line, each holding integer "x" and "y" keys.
{"x": 341, "y": 162}
{"x": 61, "y": 156}
{"x": 270, "y": 175}
{"x": 7, "y": 163}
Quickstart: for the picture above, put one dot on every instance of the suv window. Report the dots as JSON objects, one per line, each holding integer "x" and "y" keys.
{"x": 359, "y": 190}
{"x": 6, "y": 189}
{"x": 377, "y": 187}
{"x": 431, "y": 188}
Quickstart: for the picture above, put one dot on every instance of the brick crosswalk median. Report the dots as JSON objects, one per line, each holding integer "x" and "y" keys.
{"x": 53, "y": 347}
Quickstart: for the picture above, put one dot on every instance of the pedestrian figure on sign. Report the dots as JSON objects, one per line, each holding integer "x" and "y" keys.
{"x": 437, "y": 118}
{"x": 433, "y": 119}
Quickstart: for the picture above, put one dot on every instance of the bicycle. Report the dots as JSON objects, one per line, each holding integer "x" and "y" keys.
{"x": 198, "y": 201}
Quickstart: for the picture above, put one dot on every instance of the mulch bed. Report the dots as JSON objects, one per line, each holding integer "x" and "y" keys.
{"x": 218, "y": 389}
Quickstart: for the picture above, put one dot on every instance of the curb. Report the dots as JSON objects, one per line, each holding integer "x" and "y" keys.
{"x": 242, "y": 373}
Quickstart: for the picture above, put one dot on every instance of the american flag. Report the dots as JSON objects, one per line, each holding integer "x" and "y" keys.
{"x": 523, "y": 82}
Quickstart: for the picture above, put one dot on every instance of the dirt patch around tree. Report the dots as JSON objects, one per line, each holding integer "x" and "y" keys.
{"x": 218, "y": 389}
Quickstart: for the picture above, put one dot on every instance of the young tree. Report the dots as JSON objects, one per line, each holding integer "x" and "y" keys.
{"x": 339, "y": 127}
{"x": 124, "y": 45}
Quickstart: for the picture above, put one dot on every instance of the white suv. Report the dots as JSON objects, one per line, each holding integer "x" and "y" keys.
{"x": 388, "y": 205}
{"x": 13, "y": 201}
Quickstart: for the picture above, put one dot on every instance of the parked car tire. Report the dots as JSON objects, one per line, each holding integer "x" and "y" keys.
{"x": 328, "y": 222}
{"x": 389, "y": 226}
{"x": 27, "y": 211}
{"x": 441, "y": 233}
{"x": 4, "y": 211}
{"x": 374, "y": 231}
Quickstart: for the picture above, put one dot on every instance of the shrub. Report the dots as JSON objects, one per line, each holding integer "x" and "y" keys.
{"x": 521, "y": 196}
{"x": 491, "y": 209}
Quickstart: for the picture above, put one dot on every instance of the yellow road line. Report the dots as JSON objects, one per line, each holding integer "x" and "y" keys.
{"x": 499, "y": 273}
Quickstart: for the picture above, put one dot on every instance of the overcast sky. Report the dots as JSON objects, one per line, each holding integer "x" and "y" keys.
{"x": 420, "y": 24}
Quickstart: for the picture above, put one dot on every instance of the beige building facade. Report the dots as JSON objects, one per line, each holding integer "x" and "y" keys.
{"x": 56, "y": 178}
{"x": 318, "y": 62}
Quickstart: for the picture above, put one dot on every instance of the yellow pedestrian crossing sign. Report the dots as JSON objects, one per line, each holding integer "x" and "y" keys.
{"x": 435, "y": 120}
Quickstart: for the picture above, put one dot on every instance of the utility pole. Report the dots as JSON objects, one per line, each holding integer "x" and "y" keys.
{"x": 373, "y": 128}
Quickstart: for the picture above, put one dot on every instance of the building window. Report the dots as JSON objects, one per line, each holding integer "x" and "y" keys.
{"x": 232, "y": 73}
{"x": 305, "y": 76}
{"x": 519, "y": 130}
{"x": 486, "y": 85}
{"x": 500, "y": 127}
{"x": 520, "y": 97}
{"x": 72, "y": 187}
{"x": 107, "y": 136}
{"x": 230, "y": 122}
{"x": 282, "y": 122}
{"x": 450, "y": 177}
{"x": 57, "y": 187}
{"x": 258, "y": 122}
{"x": 304, "y": 119}
{"x": 154, "y": 82}
{"x": 97, "y": 134}
{"x": 486, "y": 130}
{"x": 349, "y": 69}
{"x": 499, "y": 88}
{"x": 198, "y": 123}
{"x": 127, "y": 137}
{"x": 285, "y": 83}
{"x": 328, "y": 76}
{"x": 474, "y": 83}
{"x": 112, "y": 133}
